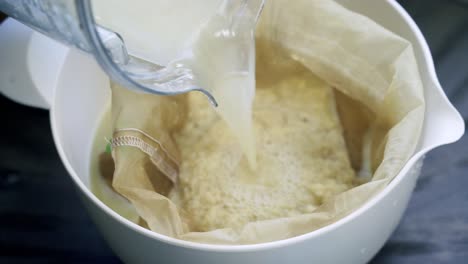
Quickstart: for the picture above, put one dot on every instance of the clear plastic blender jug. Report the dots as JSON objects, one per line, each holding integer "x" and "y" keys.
{"x": 72, "y": 22}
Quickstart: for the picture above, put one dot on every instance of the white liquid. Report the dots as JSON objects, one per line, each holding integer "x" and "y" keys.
{"x": 158, "y": 31}
{"x": 224, "y": 63}
{"x": 202, "y": 36}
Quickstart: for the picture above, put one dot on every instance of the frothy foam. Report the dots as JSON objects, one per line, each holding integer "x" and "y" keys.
{"x": 302, "y": 158}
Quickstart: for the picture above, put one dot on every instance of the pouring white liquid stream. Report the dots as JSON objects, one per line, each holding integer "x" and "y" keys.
{"x": 212, "y": 38}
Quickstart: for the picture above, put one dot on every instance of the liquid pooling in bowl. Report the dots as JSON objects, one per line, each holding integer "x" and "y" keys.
{"x": 102, "y": 168}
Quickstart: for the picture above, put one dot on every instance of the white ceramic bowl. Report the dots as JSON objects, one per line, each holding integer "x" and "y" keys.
{"x": 73, "y": 86}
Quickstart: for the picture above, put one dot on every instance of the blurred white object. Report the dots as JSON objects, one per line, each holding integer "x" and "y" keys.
{"x": 29, "y": 64}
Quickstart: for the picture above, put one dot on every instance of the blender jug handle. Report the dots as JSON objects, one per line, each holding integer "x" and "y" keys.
{"x": 30, "y": 64}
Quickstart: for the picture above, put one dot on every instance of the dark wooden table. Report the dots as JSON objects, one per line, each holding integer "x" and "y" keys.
{"x": 43, "y": 221}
